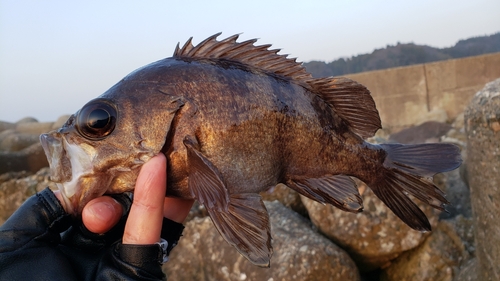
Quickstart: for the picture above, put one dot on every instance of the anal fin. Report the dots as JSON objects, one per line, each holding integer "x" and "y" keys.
{"x": 339, "y": 190}
{"x": 246, "y": 227}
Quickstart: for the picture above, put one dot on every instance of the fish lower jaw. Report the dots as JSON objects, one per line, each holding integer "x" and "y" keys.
{"x": 67, "y": 204}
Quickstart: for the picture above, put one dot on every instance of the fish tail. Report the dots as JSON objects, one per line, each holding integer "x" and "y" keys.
{"x": 408, "y": 169}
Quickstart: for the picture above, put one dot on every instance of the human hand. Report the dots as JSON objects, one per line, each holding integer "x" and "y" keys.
{"x": 42, "y": 241}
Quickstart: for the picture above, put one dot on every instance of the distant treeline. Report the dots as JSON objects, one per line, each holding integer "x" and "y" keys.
{"x": 404, "y": 54}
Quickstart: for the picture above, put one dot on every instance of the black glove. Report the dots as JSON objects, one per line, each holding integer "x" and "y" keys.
{"x": 40, "y": 241}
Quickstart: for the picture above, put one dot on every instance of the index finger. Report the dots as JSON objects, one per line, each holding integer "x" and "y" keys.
{"x": 146, "y": 213}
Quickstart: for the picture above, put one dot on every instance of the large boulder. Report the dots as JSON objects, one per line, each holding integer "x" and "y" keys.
{"x": 373, "y": 237}
{"x": 440, "y": 257}
{"x": 482, "y": 124}
{"x": 286, "y": 196}
{"x": 299, "y": 253}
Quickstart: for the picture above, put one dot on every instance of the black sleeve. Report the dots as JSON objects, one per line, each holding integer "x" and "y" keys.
{"x": 31, "y": 247}
{"x": 28, "y": 241}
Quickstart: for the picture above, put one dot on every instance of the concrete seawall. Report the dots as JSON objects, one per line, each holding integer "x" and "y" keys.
{"x": 404, "y": 94}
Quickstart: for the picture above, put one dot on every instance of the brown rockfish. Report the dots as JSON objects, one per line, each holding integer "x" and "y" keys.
{"x": 235, "y": 119}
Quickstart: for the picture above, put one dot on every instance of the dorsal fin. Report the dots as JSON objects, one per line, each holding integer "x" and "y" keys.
{"x": 246, "y": 53}
{"x": 350, "y": 100}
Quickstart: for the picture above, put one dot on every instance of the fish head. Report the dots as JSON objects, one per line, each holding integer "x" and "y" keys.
{"x": 101, "y": 148}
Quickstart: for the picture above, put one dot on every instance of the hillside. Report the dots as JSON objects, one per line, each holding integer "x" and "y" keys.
{"x": 403, "y": 55}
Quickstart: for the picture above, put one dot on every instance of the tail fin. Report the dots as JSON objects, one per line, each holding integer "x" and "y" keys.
{"x": 409, "y": 170}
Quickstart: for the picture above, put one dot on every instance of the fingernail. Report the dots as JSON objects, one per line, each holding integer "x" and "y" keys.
{"x": 103, "y": 211}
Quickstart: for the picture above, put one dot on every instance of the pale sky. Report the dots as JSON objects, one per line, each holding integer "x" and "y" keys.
{"x": 57, "y": 55}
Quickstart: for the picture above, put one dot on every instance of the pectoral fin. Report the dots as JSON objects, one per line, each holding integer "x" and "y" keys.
{"x": 338, "y": 190}
{"x": 205, "y": 181}
{"x": 241, "y": 219}
{"x": 246, "y": 227}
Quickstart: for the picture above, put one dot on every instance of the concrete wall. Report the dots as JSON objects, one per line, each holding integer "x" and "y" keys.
{"x": 405, "y": 95}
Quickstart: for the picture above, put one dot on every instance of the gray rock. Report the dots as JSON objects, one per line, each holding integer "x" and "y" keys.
{"x": 438, "y": 258}
{"x": 468, "y": 272}
{"x": 6, "y": 134}
{"x": 429, "y": 131}
{"x": 6, "y": 125}
{"x": 286, "y": 196}
{"x": 27, "y": 120}
{"x": 482, "y": 125}
{"x": 17, "y": 141}
{"x": 34, "y": 128}
{"x": 372, "y": 237}
{"x": 29, "y": 159}
{"x": 457, "y": 193}
{"x": 299, "y": 253}
{"x": 16, "y": 187}
{"x": 60, "y": 121}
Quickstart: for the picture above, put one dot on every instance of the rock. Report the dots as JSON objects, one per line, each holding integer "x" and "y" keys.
{"x": 457, "y": 193}
{"x": 426, "y": 132}
{"x": 468, "y": 272}
{"x": 29, "y": 159}
{"x": 27, "y": 120}
{"x": 34, "y": 128}
{"x": 16, "y": 187}
{"x": 17, "y": 141}
{"x": 438, "y": 258}
{"x": 6, "y": 134}
{"x": 286, "y": 196}
{"x": 372, "y": 237}
{"x": 6, "y": 126}
{"x": 437, "y": 115}
{"x": 482, "y": 119}
{"x": 458, "y": 123}
{"x": 299, "y": 253}
{"x": 60, "y": 121}
{"x": 197, "y": 211}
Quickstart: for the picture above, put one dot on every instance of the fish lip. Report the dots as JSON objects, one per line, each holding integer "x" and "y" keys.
{"x": 60, "y": 167}
{"x": 59, "y": 163}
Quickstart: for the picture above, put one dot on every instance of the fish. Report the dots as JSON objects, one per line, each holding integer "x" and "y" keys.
{"x": 235, "y": 119}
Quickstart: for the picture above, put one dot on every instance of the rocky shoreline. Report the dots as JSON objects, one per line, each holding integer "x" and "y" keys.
{"x": 311, "y": 241}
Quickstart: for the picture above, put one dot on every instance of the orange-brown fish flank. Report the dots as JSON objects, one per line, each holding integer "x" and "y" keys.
{"x": 351, "y": 100}
{"x": 235, "y": 119}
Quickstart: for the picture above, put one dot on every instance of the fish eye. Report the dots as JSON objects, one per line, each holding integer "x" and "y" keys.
{"x": 96, "y": 119}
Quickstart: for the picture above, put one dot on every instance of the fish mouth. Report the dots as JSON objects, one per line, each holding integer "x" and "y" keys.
{"x": 69, "y": 165}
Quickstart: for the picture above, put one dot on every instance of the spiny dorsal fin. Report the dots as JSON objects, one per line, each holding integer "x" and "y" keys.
{"x": 246, "y": 53}
{"x": 350, "y": 100}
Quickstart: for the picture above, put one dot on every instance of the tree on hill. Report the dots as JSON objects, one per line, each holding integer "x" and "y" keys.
{"x": 404, "y": 55}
